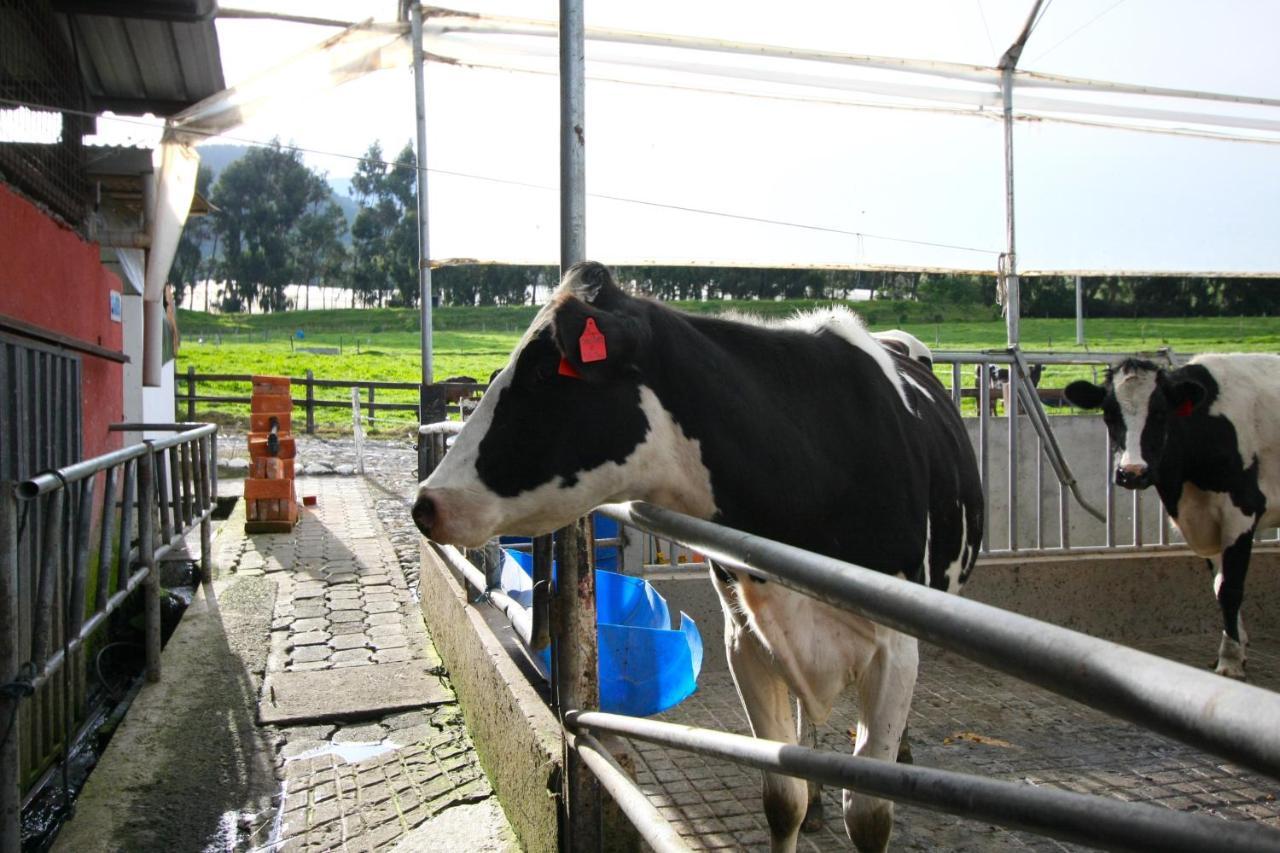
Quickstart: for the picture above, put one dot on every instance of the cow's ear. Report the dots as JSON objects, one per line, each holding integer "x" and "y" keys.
{"x": 596, "y": 344}
{"x": 1184, "y": 393}
{"x": 592, "y": 282}
{"x": 1085, "y": 394}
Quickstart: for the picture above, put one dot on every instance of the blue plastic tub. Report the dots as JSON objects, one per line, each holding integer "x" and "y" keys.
{"x": 646, "y": 666}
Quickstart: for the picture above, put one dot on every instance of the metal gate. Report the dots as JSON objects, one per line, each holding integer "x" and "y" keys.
{"x": 40, "y": 430}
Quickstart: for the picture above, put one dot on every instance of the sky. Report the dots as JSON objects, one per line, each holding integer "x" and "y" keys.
{"x": 680, "y": 175}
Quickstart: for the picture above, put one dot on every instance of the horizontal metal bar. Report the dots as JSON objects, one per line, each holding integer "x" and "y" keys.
{"x": 1100, "y": 822}
{"x": 44, "y": 483}
{"x": 143, "y": 427}
{"x": 380, "y": 384}
{"x": 90, "y": 625}
{"x": 518, "y": 616}
{"x": 1002, "y": 356}
{"x": 654, "y": 829}
{"x": 441, "y": 428}
{"x": 1235, "y": 720}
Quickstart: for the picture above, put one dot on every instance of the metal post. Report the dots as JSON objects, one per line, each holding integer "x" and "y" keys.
{"x": 541, "y": 604}
{"x": 574, "y": 607}
{"x": 984, "y": 464}
{"x": 424, "y": 244}
{"x": 147, "y": 554}
{"x": 1012, "y": 293}
{"x": 1011, "y": 412}
{"x": 191, "y": 393}
{"x": 10, "y": 659}
{"x": 1079, "y": 312}
{"x": 576, "y": 678}
{"x": 573, "y": 159}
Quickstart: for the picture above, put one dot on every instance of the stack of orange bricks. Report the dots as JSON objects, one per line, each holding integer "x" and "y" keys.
{"x": 271, "y": 504}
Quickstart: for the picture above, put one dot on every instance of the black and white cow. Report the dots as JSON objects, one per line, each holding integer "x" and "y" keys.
{"x": 609, "y": 397}
{"x": 1207, "y": 436}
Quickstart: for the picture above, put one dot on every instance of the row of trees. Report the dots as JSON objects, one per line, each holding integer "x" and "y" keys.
{"x": 276, "y": 222}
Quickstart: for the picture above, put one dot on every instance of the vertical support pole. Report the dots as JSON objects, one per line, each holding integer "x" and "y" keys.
{"x": 984, "y": 461}
{"x": 311, "y": 403}
{"x": 574, "y": 613}
{"x": 573, "y": 156}
{"x": 541, "y": 605}
{"x": 577, "y": 682}
{"x": 50, "y": 563}
{"x": 372, "y": 417}
{"x": 1011, "y": 412}
{"x": 357, "y": 428}
{"x": 147, "y": 554}
{"x": 1064, "y": 517}
{"x": 1079, "y": 312}
{"x": 1012, "y": 293}
{"x": 10, "y": 659}
{"x": 956, "y": 383}
{"x": 191, "y": 393}
{"x": 424, "y": 242}
{"x": 1039, "y": 493}
{"x": 1109, "y": 479}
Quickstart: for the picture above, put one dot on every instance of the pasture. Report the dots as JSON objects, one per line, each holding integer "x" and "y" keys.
{"x": 382, "y": 343}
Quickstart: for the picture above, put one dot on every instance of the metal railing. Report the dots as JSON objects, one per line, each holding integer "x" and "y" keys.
{"x": 1136, "y": 522}
{"x": 1228, "y": 718}
{"x": 143, "y": 499}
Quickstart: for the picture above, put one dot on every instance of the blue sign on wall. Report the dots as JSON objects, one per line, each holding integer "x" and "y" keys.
{"x": 115, "y": 306}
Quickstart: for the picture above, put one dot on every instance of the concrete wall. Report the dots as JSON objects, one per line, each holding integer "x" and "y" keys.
{"x": 53, "y": 279}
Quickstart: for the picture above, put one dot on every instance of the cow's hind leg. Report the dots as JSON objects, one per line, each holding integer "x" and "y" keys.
{"x": 807, "y": 734}
{"x": 1229, "y": 569}
{"x": 884, "y": 700}
{"x": 768, "y": 705}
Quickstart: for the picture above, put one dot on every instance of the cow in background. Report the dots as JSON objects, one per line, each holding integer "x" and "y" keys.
{"x": 609, "y": 397}
{"x": 1207, "y": 436}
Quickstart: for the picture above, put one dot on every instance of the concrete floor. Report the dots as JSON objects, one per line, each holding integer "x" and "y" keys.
{"x": 970, "y": 719}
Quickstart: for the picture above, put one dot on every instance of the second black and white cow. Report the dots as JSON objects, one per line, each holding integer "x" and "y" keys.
{"x": 1207, "y": 436}
{"x": 609, "y": 397}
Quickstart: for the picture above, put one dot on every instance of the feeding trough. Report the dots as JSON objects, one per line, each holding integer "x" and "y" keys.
{"x": 646, "y": 665}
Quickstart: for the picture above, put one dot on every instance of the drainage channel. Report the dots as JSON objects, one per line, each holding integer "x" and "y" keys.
{"x": 116, "y": 674}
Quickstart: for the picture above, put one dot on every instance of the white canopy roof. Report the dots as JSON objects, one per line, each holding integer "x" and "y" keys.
{"x": 821, "y": 134}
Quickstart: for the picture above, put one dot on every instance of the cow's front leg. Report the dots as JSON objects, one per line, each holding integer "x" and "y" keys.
{"x": 884, "y": 700}
{"x": 768, "y": 705}
{"x": 807, "y": 734}
{"x": 1229, "y": 570}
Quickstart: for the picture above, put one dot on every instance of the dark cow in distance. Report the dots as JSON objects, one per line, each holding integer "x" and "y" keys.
{"x": 1207, "y": 436}
{"x": 610, "y": 397}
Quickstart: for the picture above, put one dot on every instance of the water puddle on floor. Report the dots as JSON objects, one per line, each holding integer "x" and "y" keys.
{"x": 349, "y": 752}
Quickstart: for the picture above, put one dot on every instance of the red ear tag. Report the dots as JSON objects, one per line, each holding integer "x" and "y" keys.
{"x": 567, "y": 369}
{"x": 1184, "y": 409}
{"x": 591, "y": 345}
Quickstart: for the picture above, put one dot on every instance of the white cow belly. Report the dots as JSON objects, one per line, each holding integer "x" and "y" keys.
{"x": 817, "y": 649}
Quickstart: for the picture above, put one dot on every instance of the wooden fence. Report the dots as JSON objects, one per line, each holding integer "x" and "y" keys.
{"x": 439, "y": 399}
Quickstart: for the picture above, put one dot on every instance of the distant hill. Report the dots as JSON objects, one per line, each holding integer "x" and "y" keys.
{"x": 219, "y": 157}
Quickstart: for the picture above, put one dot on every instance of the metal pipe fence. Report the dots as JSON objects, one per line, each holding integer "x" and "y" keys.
{"x": 143, "y": 500}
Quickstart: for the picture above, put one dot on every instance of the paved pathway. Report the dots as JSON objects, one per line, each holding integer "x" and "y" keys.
{"x": 344, "y": 615}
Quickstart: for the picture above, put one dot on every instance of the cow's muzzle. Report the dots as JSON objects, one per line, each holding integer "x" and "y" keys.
{"x": 1133, "y": 476}
{"x": 424, "y": 514}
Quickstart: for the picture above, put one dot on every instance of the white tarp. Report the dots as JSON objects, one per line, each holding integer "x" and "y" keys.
{"x": 821, "y": 134}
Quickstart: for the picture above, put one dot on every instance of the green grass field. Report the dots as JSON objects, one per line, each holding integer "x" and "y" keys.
{"x": 382, "y": 344}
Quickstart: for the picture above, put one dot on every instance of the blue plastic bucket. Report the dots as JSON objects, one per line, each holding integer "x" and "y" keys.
{"x": 646, "y": 666}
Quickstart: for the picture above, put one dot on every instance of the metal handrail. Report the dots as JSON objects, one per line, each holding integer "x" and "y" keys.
{"x": 157, "y": 490}
{"x": 1081, "y": 818}
{"x": 1230, "y": 718}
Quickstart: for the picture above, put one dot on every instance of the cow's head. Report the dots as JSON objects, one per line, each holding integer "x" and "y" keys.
{"x": 571, "y": 422}
{"x": 1140, "y": 404}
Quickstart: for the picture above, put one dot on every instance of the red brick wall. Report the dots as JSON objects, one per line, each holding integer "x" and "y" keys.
{"x": 51, "y": 278}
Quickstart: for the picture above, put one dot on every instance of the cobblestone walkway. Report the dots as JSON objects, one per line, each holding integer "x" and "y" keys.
{"x": 343, "y": 601}
{"x": 969, "y": 719}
